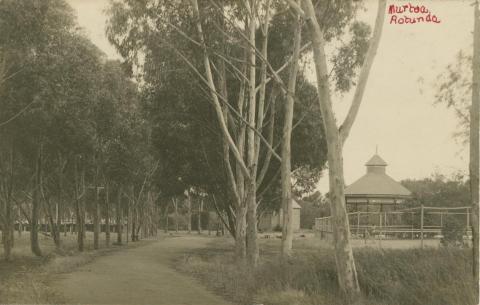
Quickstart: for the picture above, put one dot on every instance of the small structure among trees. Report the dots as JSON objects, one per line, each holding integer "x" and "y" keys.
{"x": 375, "y": 191}
{"x": 273, "y": 220}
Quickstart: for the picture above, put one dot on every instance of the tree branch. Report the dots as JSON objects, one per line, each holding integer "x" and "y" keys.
{"x": 293, "y": 5}
{"x": 345, "y": 128}
{"x": 18, "y": 113}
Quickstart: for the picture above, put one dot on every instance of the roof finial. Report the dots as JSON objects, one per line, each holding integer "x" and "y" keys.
{"x": 376, "y": 149}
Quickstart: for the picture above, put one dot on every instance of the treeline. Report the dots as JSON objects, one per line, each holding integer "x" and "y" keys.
{"x": 74, "y": 141}
{"x": 439, "y": 191}
{"x": 89, "y": 144}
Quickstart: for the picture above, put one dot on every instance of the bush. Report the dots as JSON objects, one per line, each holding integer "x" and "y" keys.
{"x": 452, "y": 232}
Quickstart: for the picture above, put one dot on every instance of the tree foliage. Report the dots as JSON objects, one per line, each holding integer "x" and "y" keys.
{"x": 71, "y": 123}
{"x": 453, "y": 90}
{"x": 439, "y": 191}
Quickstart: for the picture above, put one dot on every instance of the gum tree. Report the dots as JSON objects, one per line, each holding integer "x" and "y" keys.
{"x": 336, "y": 136}
{"x": 222, "y": 53}
{"x": 459, "y": 89}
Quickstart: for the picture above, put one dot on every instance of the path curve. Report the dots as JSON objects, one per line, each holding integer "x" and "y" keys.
{"x": 138, "y": 276}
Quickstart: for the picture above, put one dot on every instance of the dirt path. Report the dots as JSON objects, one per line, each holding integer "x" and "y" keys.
{"x": 138, "y": 276}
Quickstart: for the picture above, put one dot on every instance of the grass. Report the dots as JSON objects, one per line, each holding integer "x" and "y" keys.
{"x": 25, "y": 279}
{"x": 405, "y": 276}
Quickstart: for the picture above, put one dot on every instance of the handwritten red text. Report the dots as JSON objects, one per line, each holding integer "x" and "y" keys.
{"x": 411, "y": 14}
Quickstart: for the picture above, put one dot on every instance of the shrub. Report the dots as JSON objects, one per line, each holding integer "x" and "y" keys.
{"x": 452, "y": 231}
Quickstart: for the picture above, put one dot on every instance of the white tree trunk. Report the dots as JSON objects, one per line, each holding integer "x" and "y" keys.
{"x": 175, "y": 205}
{"x": 119, "y": 215}
{"x": 189, "y": 213}
{"x": 200, "y": 210}
{"x": 251, "y": 198}
{"x": 240, "y": 233}
{"x": 107, "y": 215}
{"x": 96, "y": 212}
{"x": 287, "y": 229}
{"x": 346, "y": 271}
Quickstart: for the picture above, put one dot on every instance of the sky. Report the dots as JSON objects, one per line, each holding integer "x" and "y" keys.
{"x": 397, "y": 114}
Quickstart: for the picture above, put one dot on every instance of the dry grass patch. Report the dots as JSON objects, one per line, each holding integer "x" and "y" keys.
{"x": 435, "y": 276}
{"x": 26, "y": 278}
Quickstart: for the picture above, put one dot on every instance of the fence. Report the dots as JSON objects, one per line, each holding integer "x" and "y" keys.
{"x": 414, "y": 223}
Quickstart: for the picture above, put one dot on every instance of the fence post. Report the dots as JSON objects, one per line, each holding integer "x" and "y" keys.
{"x": 385, "y": 225}
{"x": 358, "y": 223}
{"x": 421, "y": 226}
{"x": 468, "y": 218}
{"x": 412, "y": 226}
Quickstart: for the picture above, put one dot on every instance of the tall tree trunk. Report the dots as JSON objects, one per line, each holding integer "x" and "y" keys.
{"x": 60, "y": 210}
{"x": 79, "y": 210}
{"x": 251, "y": 198}
{"x": 287, "y": 228}
{"x": 474, "y": 165}
{"x": 96, "y": 212}
{"x": 51, "y": 221}
{"x": 128, "y": 222}
{"x": 134, "y": 215}
{"x": 8, "y": 225}
{"x": 251, "y": 241}
{"x": 65, "y": 228}
{"x": 345, "y": 263}
{"x": 107, "y": 215}
{"x": 237, "y": 152}
{"x": 189, "y": 213}
{"x": 166, "y": 218}
{"x": 200, "y": 208}
{"x": 240, "y": 233}
{"x": 7, "y": 231}
{"x": 119, "y": 215}
{"x": 20, "y": 225}
{"x": 146, "y": 223}
{"x": 134, "y": 223}
{"x": 175, "y": 205}
{"x": 58, "y": 225}
{"x": 140, "y": 222}
{"x": 34, "y": 243}
{"x": 12, "y": 233}
{"x": 346, "y": 271}
{"x": 156, "y": 220}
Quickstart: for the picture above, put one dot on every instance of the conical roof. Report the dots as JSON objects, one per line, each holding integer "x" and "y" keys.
{"x": 376, "y": 160}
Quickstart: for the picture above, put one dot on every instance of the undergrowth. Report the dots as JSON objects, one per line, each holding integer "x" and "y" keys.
{"x": 436, "y": 276}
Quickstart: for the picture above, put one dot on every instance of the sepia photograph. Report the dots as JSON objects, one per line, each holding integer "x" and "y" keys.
{"x": 239, "y": 152}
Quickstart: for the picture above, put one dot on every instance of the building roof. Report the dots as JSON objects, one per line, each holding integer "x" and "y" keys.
{"x": 376, "y": 183}
{"x": 376, "y": 160}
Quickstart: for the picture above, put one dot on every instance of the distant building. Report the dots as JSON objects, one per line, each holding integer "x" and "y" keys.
{"x": 375, "y": 191}
{"x": 269, "y": 221}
